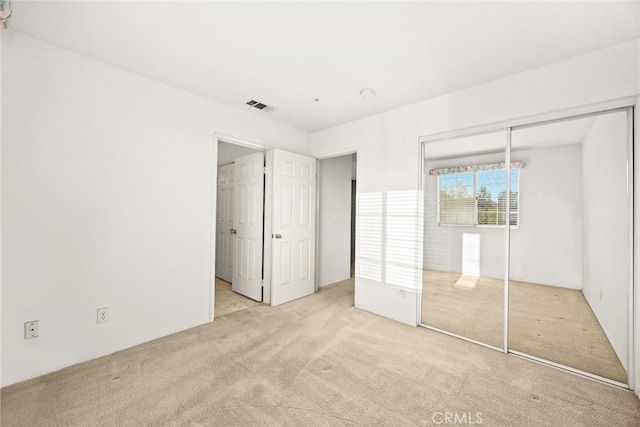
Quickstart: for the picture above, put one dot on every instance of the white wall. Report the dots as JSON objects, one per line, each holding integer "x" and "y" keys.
{"x": 107, "y": 191}
{"x": 229, "y": 152}
{"x": 546, "y": 247}
{"x": 389, "y": 158}
{"x": 1, "y": 202}
{"x": 334, "y": 258}
{"x": 606, "y": 227}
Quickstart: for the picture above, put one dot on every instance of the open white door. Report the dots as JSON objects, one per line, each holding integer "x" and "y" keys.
{"x": 293, "y": 227}
{"x": 224, "y": 224}
{"x": 248, "y": 225}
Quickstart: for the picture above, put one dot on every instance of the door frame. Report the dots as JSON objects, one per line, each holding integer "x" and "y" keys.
{"x": 325, "y": 156}
{"x": 217, "y": 138}
{"x": 628, "y": 104}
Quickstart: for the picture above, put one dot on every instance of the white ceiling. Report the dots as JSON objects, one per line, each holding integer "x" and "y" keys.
{"x": 285, "y": 54}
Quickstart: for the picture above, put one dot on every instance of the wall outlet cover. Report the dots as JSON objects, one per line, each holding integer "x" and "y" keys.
{"x": 31, "y": 329}
{"x": 103, "y": 315}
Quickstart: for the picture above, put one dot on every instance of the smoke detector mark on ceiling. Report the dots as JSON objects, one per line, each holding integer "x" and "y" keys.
{"x": 260, "y": 106}
{"x": 367, "y": 94}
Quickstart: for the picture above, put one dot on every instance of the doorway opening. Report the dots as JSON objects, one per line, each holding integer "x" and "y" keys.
{"x": 337, "y": 222}
{"x": 230, "y": 298}
{"x": 264, "y": 238}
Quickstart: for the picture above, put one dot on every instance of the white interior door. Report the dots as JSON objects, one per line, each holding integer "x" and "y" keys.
{"x": 224, "y": 223}
{"x": 248, "y": 225}
{"x": 293, "y": 227}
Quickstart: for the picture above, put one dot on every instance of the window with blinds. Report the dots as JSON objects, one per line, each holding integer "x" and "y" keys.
{"x": 478, "y": 198}
{"x": 457, "y": 199}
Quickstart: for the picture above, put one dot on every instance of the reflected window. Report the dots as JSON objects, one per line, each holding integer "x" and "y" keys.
{"x": 491, "y": 197}
{"x": 457, "y": 199}
{"x": 478, "y": 198}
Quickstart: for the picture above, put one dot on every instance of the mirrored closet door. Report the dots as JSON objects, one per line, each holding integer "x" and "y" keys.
{"x": 569, "y": 252}
{"x": 556, "y": 285}
{"x": 464, "y": 252}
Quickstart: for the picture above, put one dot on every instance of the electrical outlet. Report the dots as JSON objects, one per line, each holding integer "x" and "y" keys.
{"x": 31, "y": 329}
{"x": 103, "y": 314}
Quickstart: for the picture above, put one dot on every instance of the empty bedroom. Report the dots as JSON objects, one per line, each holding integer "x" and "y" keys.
{"x": 314, "y": 213}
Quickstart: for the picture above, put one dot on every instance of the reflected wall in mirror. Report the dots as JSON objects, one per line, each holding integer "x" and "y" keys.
{"x": 569, "y": 254}
{"x": 464, "y": 252}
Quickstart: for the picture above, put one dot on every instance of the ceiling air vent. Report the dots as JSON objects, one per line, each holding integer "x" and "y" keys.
{"x": 260, "y": 106}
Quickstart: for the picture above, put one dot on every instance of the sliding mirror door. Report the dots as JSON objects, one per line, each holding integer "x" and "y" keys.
{"x": 569, "y": 244}
{"x": 464, "y": 238}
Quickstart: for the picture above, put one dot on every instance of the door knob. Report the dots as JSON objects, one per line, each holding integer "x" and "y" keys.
{"x": 278, "y": 236}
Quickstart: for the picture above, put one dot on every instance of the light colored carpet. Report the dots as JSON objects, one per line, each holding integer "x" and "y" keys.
{"x": 550, "y": 322}
{"x": 315, "y": 361}
{"x": 228, "y": 301}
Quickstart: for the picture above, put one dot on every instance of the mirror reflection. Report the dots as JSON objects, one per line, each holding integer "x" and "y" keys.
{"x": 569, "y": 253}
{"x": 565, "y": 197}
{"x": 464, "y": 254}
